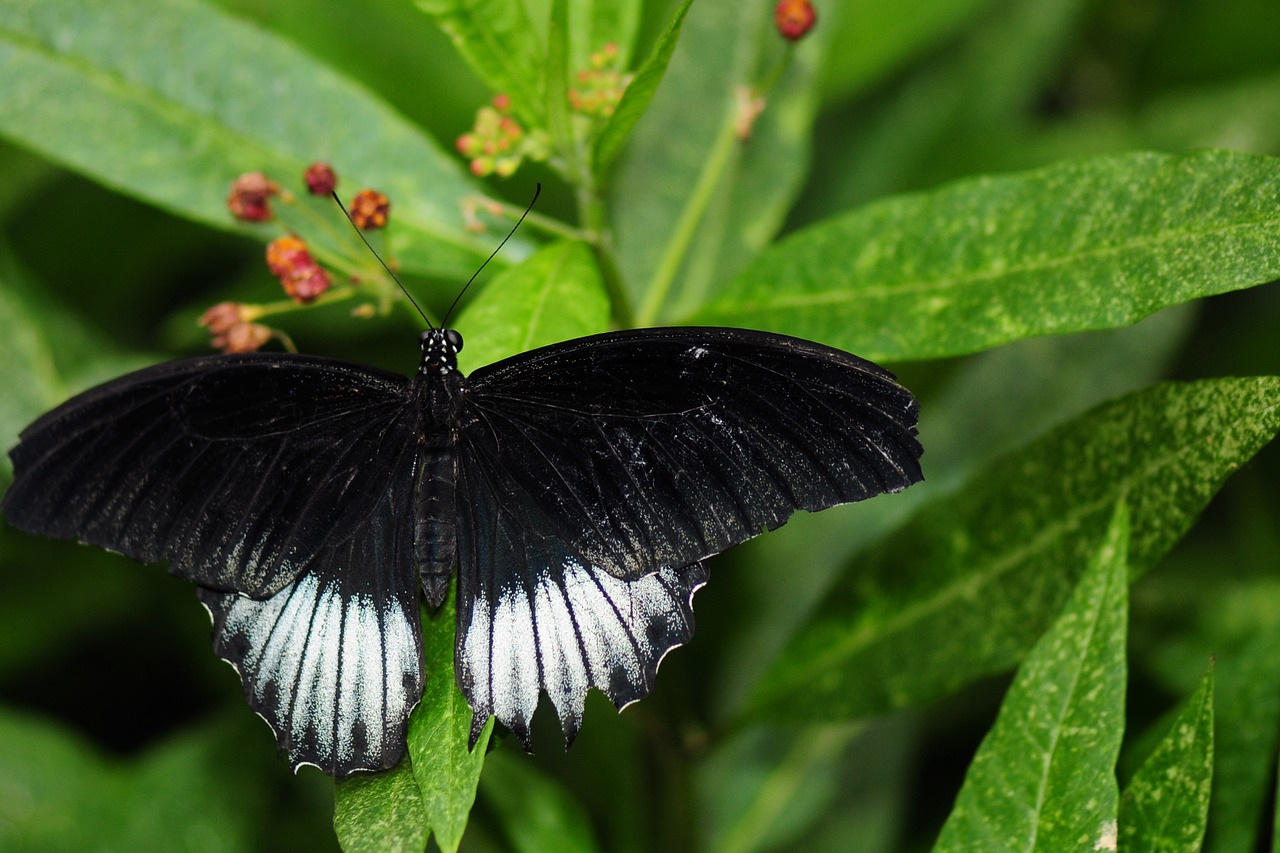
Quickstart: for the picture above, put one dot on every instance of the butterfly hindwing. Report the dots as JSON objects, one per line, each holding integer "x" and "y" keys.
{"x": 534, "y": 616}
{"x": 333, "y": 661}
{"x": 236, "y": 469}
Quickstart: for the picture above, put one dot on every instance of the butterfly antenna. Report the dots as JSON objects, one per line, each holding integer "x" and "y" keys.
{"x": 374, "y": 252}
{"x": 537, "y": 190}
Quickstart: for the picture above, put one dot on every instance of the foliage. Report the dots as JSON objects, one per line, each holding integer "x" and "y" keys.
{"x": 1056, "y": 220}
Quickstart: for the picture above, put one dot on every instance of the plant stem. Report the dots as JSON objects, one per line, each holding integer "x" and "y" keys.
{"x": 690, "y": 218}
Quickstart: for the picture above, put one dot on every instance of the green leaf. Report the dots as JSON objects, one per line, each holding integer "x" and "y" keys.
{"x": 555, "y": 295}
{"x": 680, "y": 210}
{"x": 1084, "y": 245}
{"x": 380, "y": 812}
{"x": 637, "y": 97}
{"x": 194, "y": 97}
{"x": 534, "y": 811}
{"x": 601, "y": 22}
{"x": 499, "y": 41}
{"x": 446, "y": 770}
{"x": 1044, "y": 777}
{"x": 556, "y": 92}
{"x": 966, "y": 587}
{"x": 1247, "y": 684}
{"x": 1166, "y": 805}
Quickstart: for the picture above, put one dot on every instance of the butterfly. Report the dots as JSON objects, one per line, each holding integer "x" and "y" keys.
{"x": 577, "y": 488}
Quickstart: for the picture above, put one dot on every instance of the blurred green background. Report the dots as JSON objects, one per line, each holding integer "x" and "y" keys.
{"x": 106, "y": 679}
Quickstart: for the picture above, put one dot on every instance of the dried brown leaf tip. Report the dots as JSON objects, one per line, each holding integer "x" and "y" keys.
{"x": 250, "y": 197}
{"x": 290, "y": 261}
{"x": 370, "y": 209}
{"x": 320, "y": 178}
{"x": 794, "y": 18}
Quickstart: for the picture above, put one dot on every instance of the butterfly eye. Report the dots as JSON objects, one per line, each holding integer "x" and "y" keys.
{"x": 454, "y": 338}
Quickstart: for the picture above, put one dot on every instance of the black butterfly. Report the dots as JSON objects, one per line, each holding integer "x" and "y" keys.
{"x": 577, "y": 487}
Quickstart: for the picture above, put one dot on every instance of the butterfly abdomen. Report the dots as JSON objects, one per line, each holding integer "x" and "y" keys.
{"x": 435, "y": 521}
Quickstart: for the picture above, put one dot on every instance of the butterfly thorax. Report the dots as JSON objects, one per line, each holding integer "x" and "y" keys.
{"x": 437, "y": 388}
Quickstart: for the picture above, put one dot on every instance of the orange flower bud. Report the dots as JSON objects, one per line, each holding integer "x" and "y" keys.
{"x": 794, "y": 18}
{"x": 369, "y": 210}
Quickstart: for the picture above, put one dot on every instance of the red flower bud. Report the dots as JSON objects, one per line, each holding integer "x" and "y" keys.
{"x": 369, "y": 210}
{"x": 250, "y": 196}
{"x": 291, "y": 262}
{"x": 794, "y": 18}
{"x": 320, "y": 178}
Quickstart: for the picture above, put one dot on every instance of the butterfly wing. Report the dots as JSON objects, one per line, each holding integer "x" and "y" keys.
{"x": 333, "y": 661}
{"x": 534, "y": 615}
{"x": 283, "y": 485}
{"x": 607, "y": 467}
{"x": 238, "y": 470}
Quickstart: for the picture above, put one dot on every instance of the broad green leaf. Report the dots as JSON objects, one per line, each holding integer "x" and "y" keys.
{"x": 380, "y": 812}
{"x": 1165, "y": 806}
{"x": 533, "y": 810}
{"x": 553, "y": 296}
{"x": 966, "y": 587}
{"x": 193, "y": 97}
{"x": 1044, "y": 777}
{"x": 636, "y": 99}
{"x": 1084, "y": 245}
{"x": 499, "y": 41}
{"x": 447, "y": 772}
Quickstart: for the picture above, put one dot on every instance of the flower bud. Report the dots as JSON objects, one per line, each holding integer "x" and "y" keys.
{"x": 320, "y": 178}
{"x": 370, "y": 209}
{"x": 794, "y": 18}
{"x": 249, "y": 199}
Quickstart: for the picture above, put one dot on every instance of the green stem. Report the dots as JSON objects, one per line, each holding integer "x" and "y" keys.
{"x": 687, "y": 225}
{"x": 595, "y": 223}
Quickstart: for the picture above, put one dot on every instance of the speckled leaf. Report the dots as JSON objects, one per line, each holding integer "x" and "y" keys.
{"x": 194, "y": 97}
{"x": 1081, "y": 245}
{"x": 1165, "y": 807}
{"x": 966, "y": 587}
{"x": 446, "y": 771}
{"x": 380, "y": 813}
{"x": 1044, "y": 777}
{"x": 555, "y": 295}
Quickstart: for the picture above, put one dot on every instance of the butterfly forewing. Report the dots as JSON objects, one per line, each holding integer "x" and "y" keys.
{"x": 657, "y": 447}
{"x": 238, "y": 470}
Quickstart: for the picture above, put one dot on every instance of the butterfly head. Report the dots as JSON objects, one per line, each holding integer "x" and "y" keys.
{"x": 440, "y": 348}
